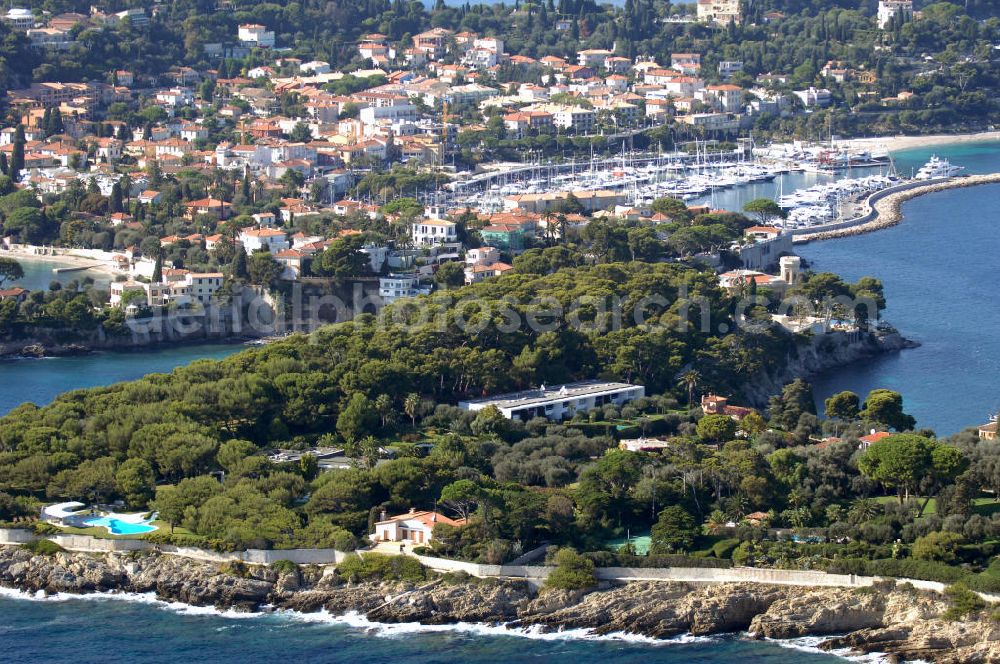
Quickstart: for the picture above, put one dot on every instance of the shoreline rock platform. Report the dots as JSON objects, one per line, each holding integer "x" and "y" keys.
{"x": 902, "y": 621}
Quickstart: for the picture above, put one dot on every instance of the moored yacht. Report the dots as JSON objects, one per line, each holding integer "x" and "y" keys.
{"x": 938, "y": 168}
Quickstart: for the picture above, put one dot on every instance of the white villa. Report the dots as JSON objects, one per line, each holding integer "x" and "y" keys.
{"x": 415, "y": 527}
{"x": 434, "y": 231}
{"x": 560, "y": 401}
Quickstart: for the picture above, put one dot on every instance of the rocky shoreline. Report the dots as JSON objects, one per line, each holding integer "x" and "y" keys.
{"x": 900, "y": 621}
{"x": 821, "y": 354}
{"x": 42, "y": 348}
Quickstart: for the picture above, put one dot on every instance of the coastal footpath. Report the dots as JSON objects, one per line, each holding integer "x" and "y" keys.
{"x": 886, "y": 617}
{"x": 887, "y": 211}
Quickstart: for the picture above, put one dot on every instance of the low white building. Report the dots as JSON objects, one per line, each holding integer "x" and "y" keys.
{"x": 315, "y": 67}
{"x": 814, "y": 97}
{"x": 396, "y": 286}
{"x": 482, "y": 256}
{"x": 729, "y": 67}
{"x": 253, "y": 34}
{"x": 201, "y": 286}
{"x": 119, "y": 289}
{"x": 397, "y": 113}
{"x": 560, "y": 401}
{"x": 19, "y": 18}
{"x": 377, "y": 256}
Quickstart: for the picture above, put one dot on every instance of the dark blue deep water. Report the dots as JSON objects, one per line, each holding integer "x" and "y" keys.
{"x": 91, "y": 631}
{"x": 939, "y": 267}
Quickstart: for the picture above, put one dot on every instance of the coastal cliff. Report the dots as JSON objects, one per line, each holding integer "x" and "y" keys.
{"x": 901, "y": 621}
{"x": 817, "y": 354}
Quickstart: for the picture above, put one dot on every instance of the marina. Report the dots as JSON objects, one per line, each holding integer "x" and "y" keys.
{"x": 640, "y": 178}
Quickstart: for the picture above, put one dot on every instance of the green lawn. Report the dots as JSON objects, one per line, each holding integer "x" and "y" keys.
{"x": 930, "y": 509}
{"x": 102, "y": 533}
{"x": 985, "y": 506}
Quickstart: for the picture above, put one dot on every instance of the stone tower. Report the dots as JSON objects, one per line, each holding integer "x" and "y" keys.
{"x": 791, "y": 269}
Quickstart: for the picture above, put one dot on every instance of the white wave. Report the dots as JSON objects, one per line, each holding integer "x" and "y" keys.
{"x": 138, "y": 598}
{"x": 811, "y": 644}
{"x": 358, "y": 621}
{"x": 24, "y": 595}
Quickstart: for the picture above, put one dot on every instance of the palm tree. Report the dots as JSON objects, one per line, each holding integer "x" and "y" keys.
{"x": 716, "y": 522}
{"x": 863, "y": 509}
{"x": 689, "y": 380}
{"x": 411, "y": 405}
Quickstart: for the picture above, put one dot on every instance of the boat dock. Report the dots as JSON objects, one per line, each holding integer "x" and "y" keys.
{"x": 886, "y": 206}
{"x": 74, "y": 268}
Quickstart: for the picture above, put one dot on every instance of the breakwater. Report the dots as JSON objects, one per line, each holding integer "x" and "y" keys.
{"x": 887, "y": 209}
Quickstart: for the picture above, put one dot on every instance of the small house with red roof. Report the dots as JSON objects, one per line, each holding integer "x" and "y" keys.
{"x": 414, "y": 526}
{"x": 762, "y": 232}
{"x": 875, "y": 436}
{"x": 17, "y": 294}
{"x": 712, "y": 404}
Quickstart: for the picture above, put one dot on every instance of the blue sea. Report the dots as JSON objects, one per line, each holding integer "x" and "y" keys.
{"x": 939, "y": 267}
{"x": 96, "y": 630}
{"x": 41, "y": 380}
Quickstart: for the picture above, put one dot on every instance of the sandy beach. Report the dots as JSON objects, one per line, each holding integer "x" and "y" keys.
{"x": 893, "y": 143}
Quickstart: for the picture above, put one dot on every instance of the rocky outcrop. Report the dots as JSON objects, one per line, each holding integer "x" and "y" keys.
{"x": 882, "y": 618}
{"x": 819, "y": 354}
{"x": 658, "y": 609}
{"x": 933, "y": 640}
{"x": 840, "y": 610}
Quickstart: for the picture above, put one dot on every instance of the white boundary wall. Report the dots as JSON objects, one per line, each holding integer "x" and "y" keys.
{"x": 534, "y": 573}
{"x": 88, "y": 544}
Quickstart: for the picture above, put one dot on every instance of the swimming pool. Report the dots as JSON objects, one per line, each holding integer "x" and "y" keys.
{"x": 119, "y": 527}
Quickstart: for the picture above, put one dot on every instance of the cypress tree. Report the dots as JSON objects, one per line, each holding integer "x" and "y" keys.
{"x": 158, "y": 269}
{"x": 4, "y": 166}
{"x": 239, "y": 264}
{"x": 115, "y": 202}
{"x": 17, "y": 155}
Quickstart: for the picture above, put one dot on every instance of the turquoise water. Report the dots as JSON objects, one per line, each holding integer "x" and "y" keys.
{"x": 119, "y": 527}
{"x": 939, "y": 268}
{"x": 40, "y": 380}
{"x": 38, "y": 274}
{"x": 86, "y": 631}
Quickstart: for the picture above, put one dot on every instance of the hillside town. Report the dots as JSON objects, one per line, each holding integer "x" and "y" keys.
{"x": 169, "y": 173}
{"x": 606, "y": 325}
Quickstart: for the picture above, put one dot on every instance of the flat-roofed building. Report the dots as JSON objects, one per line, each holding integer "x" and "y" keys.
{"x": 560, "y": 401}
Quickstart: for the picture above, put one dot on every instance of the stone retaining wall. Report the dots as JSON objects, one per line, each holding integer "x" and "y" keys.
{"x": 88, "y": 544}
{"x": 733, "y": 575}
{"x": 533, "y": 573}
{"x": 17, "y": 536}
